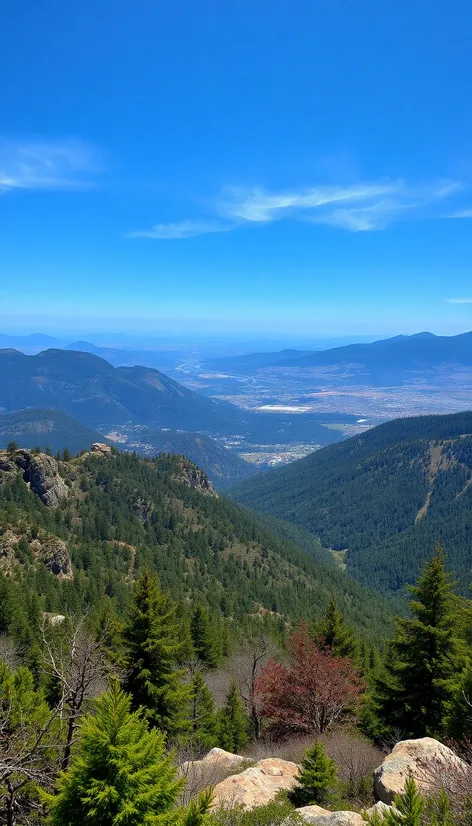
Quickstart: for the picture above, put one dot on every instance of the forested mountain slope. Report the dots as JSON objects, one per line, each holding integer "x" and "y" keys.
{"x": 384, "y": 498}
{"x": 96, "y": 393}
{"x": 46, "y": 428}
{"x": 58, "y": 431}
{"x": 74, "y": 531}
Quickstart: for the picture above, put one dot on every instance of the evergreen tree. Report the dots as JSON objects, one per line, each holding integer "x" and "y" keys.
{"x": 153, "y": 646}
{"x": 316, "y": 778}
{"x": 459, "y": 719}
{"x": 407, "y": 809}
{"x": 119, "y": 774}
{"x": 233, "y": 723}
{"x": 332, "y": 632}
{"x": 202, "y": 638}
{"x": 202, "y": 715}
{"x": 425, "y": 663}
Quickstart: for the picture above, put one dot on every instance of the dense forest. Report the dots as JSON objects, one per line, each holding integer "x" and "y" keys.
{"x": 115, "y": 513}
{"x": 382, "y": 498}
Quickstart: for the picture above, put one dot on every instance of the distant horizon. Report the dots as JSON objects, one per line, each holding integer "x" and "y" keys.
{"x": 143, "y": 339}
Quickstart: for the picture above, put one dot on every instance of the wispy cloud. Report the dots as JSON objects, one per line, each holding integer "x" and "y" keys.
{"x": 362, "y": 207}
{"x": 459, "y": 300}
{"x": 41, "y": 164}
{"x": 461, "y": 213}
{"x": 182, "y": 229}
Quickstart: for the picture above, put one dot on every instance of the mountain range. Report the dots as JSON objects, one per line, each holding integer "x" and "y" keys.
{"x": 382, "y": 500}
{"x": 96, "y": 393}
{"x": 382, "y": 362}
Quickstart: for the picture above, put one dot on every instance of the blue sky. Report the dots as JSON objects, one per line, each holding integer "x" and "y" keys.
{"x": 242, "y": 167}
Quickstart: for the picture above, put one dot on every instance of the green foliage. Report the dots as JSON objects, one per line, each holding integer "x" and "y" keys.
{"x": 459, "y": 717}
{"x": 119, "y": 774}
{"x": 425, "y": 661}
{"x": 233, "y": 725}
{"x": 276, "y": 813}
{"x": 316, "y": 779}
{"x": 202, "y": 638}
{"x": 333, "y": 633}
{"x": 29, "y": 743}
{"x": 153, "y": 646}
{"x": 123, "y": 513}
{"x": 407, "y": 808}
{"x": 386, "y": 495}
{"x": 202, "y": 714}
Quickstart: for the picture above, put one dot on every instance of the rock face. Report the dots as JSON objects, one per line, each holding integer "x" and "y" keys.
{"x": 226, "y": 759}
{"x": 55, "y": 556}
{"x": 216, "y": 758}
{"x": 423, "y": 759}
{"x": 193, "y": 477}
{"x": 42, "y": 474}
{"x": 257, "y": 785}
{"x": 379, "y": 808}
{"x": 311, "y": 814}
{"x": 100, "y": 448}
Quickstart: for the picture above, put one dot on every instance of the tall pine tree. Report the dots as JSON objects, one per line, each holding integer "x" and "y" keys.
{"x": 153, "y": 645}
{"x": 425, "y": 661}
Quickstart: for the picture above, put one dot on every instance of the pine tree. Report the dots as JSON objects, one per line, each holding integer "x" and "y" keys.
{"x": 407, "y": 808}
{"x": 233, "y": 723}
{"x": 459, "y": 718}
{"x": 120, "y": 773}
{"x": 202, "y": 638}
{"x": 152, "y": 644}
{"x": 425, "y": 662}
{"x": 316, "y": 778}
{"x": 332, "y": 632}
{"x": 202, "y": 715}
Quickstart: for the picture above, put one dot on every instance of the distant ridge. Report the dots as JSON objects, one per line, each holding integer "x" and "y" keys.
{"x": 387, "y": 360}
{"x": 384, "y": 498}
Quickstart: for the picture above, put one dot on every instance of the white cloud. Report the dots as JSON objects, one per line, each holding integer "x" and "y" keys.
{"x": 258, "y": 206}
{"x": 459, "y": 300}
{"x": 182, "y": 229}
{"x": 361, "y": 207}
{"x": 41, "y": 164}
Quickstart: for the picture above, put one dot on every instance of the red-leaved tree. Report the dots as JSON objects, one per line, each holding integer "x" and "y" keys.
{"x": 312, "y": 692}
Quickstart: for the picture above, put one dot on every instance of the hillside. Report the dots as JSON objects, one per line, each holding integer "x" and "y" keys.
{"x": 223, "y": 467}
{"x": 81, "y": 529}
{"x": 47, "y": 428}
{"x": 382, "y": 499}
{"x": 389, "y": 360}
{"x": 58, "y": 431}
{"x": 96, "y": 393}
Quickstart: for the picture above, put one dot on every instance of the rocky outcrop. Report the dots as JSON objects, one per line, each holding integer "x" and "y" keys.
{"x": 424, "y": 760}
{"x": 226, "y": 759}
{"x": 379, "y": 809}
{"x": 216, "y": 758}
{"x": 257, "y": 785}
{"x": 311, "y": 814}
{"x": 101, "y": 449}
{"x": 55, "y": 556}
{"x": 42, "y": 474}
{"x": 193, "y": 477}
